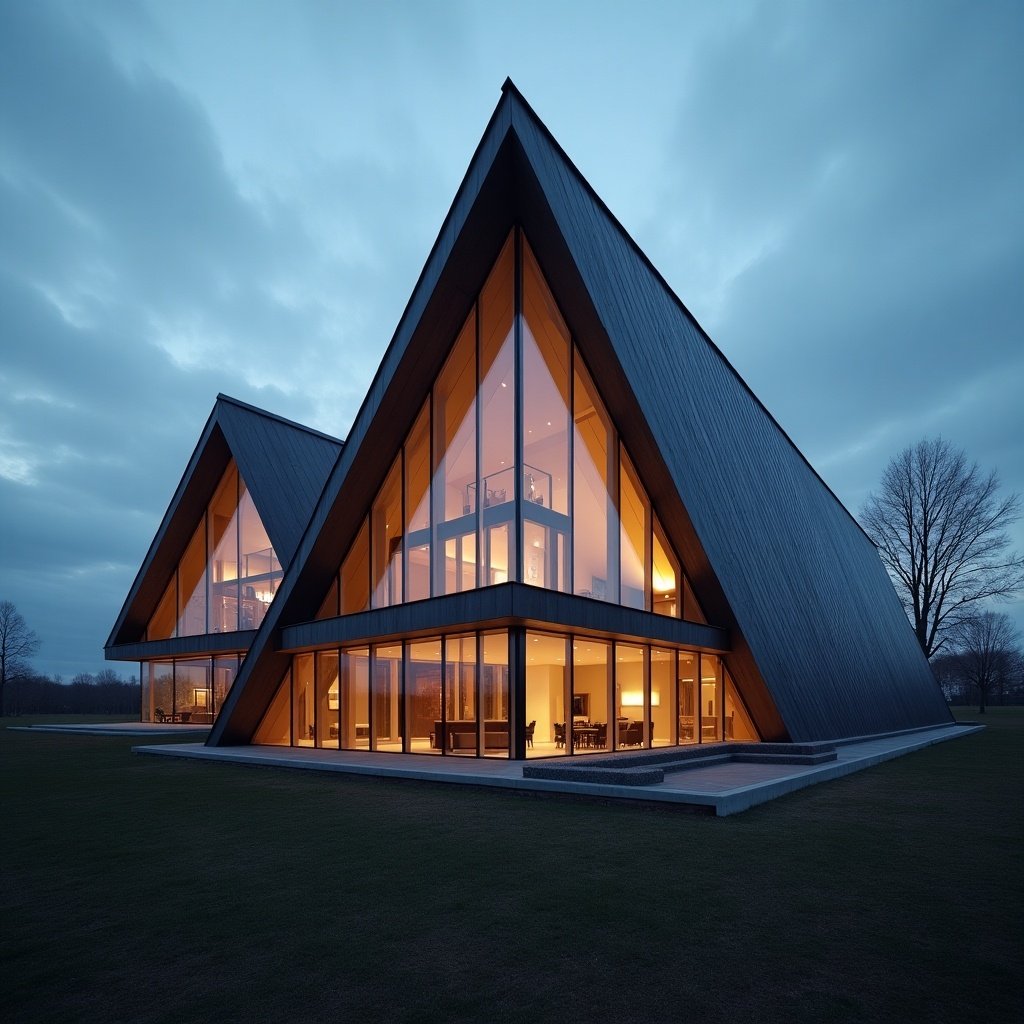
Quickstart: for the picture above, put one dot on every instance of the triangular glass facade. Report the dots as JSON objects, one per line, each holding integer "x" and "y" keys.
{"x": 513, "y": 470}
{"x": 228, "y": 574}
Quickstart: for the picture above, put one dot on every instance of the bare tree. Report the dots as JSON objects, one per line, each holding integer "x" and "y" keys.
{"x": 988, "y": 650}
{"x": 17, "y": 643}
{"x": 940, "y": 524}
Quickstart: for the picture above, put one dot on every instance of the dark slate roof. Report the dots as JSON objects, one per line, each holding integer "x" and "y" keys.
{"x": 284, "y": 465}
{"x": 805, "y": 592}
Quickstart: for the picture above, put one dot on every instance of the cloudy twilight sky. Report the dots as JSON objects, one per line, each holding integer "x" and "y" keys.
{"x": 238, "y": 196}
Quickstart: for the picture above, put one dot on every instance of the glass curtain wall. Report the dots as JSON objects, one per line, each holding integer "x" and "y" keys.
{"x": 655, "y": 695}
{"x": 417, "y": 508}
{"x": 460, "y": 695}
{"x": 497, "y": 388}
{"x": 424, "y": 725}
{"x": 663, "y": 674}
{"x": 443, "y": 695}
{"x": 386, "y": 698}
{"x": 444, "y": 520}
{"x": 229, "y": 572}
{"x": 631, "y": 716}
{"x": 450, "y": 695}
{"x": 686, "y": 675}
{"x": 186, "y": 690}
{"x": 595, "y": 510}
{"x": 548, "y": 700}
{"x": 494, "y": 695}
{"x": 592, "y": 724}
{"x": 354, "y": 707}
{"x": 546, "y": 349}
{"x": 454, "y": 477}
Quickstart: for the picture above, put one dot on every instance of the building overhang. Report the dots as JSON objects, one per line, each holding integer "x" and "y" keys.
{"x": 499, "y": 607}
{"x": 183, "y": 646}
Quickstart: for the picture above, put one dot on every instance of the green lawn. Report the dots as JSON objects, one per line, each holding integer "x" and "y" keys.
{"x": 143, "y": 889}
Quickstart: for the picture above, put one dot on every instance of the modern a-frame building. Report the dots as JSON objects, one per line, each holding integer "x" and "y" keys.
{"x": 217, "y": 560}
{"x": 561, "y": 523}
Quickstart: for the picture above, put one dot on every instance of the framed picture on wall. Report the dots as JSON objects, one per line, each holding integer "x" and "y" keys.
{"x": 581, "y": 705}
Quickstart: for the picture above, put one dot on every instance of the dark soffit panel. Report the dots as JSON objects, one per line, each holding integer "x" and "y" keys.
{"x": 507, "y": 604}
{"x": 237, "y": 642}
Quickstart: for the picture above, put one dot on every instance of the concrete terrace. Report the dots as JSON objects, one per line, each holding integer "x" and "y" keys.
{"x": 118, "y": 729}
{"x": 722, "y": 789}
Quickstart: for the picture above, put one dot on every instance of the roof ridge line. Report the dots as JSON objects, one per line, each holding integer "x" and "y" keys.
{"x": 221, "y": 397}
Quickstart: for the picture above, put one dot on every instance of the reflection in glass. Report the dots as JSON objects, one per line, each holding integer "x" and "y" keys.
{"x": 423, "y": 697}
{"x": 635, "y": 511}
{"x": 158, "y": 691}
{"x": 710, "y": 698}
{"x": 303, "y": 707}
{"x": 192, "y": 688}
{"x": 595, "y": 520}
{"x": 386, "y": 540}
{"x": 260, "y": 571}
{"x": 498, "y": 553}
{"x": 546, "y": 348}
{"x": 461, "y": 449}
{"x": 460, "y": 694}
{"x": 417, "y": 508}
{"x": 224, "y": 671}
{"x": 355, "y": 574}
{"x": 328, "y": 699}
{"x": 497, "y": 412}
{"x": 192, "y": 586}
{"x": 387, "y": 688}
{"x": 494, "y": 695}
{"x": 687, "y": 676}
{"x": 355, "y": 699}
{"x": 454, "y": 474}
{"x": 227, "y": 576}
{"x": 222, "y": 524}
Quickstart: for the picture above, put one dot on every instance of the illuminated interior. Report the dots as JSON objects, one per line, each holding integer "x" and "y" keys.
{"x": 228, "y": 574}
{"x": 442, "y": 695}
{"x": 449, "y": 696}
{"x": 466, "y": 503}
{"x": 186, "y": 690}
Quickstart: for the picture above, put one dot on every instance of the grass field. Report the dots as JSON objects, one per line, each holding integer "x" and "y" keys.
{"x": 142, "y": 889}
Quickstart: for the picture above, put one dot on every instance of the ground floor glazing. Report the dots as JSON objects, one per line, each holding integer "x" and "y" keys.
{"x": 186, "y": 690}
{"x": 462, "y": 694}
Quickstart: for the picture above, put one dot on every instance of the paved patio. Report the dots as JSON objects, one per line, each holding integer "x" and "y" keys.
{"x": 118, "y": 729}
{"x": 721, "y": 789}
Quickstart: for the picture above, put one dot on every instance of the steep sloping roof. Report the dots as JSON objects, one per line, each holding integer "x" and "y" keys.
{"x": 284, "y": 465}
{"x": 803, "y": 588}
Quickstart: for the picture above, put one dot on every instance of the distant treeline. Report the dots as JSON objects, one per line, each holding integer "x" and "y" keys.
{"x": 105, "y": 693}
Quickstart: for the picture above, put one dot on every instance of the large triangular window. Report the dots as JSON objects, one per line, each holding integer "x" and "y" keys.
{"x": 228, "y": 574}
{"x": 513, "y": 470}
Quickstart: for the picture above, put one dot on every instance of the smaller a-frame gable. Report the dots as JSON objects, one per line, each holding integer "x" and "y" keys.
{"x": 284, "y": 466}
